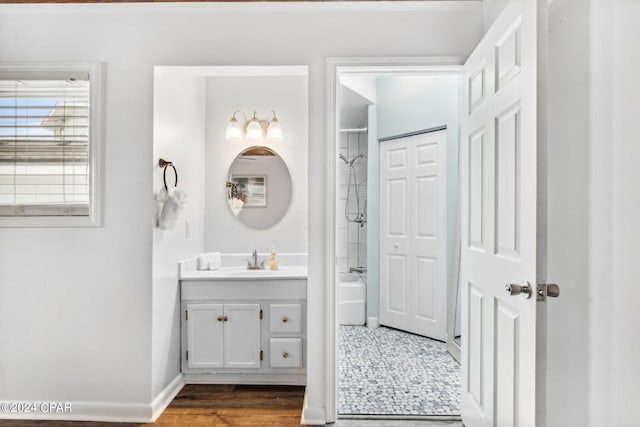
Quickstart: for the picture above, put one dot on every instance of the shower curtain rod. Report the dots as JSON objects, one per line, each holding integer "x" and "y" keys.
{"x": 355, "y": 130}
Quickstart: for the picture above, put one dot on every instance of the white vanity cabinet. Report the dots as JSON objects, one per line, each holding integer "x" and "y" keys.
{"x": 243, "y": 329}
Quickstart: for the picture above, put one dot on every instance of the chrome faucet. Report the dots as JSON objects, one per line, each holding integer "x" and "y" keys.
{"x": 253, "y": 263}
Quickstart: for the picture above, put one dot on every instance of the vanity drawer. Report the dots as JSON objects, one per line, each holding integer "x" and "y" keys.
{"x": 285, "y": 318}
{"x": 285, "y": 352}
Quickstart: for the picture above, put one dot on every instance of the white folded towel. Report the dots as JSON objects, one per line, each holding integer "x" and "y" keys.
{"x": 209, "y": 261}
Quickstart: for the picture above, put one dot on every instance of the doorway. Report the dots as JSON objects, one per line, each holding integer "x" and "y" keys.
{"x": 370, "y": 103}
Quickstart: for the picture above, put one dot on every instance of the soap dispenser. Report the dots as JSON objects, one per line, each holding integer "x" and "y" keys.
{"x": 273, "y": 260}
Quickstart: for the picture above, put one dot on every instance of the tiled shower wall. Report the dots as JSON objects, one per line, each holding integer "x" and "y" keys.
{"x": 351, "y": 237}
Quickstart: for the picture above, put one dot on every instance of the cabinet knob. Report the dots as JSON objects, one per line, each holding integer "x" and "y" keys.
{"x": 225, "y": 318}
{"x": 285, "y": 355}
{"x": 220, "y": 318}
{"x": 285, "y": 319}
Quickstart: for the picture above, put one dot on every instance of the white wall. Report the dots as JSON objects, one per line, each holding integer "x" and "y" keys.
{"x": 568, "y": 200}
{"x": 288, "y": 97}
{"x": 614, "y": 209}
{"x": 84, "y": 297}
{"x": 365, "y": 86}
{"x": 492, "y": 9}
{"x": 178, "y": 136}
{"x": 594, "y": 203}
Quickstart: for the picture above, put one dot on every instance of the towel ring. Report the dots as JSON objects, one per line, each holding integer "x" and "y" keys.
{"x": 165, "y": 164}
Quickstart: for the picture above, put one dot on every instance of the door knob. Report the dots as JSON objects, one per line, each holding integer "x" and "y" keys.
{"x": 553, "y": 290}
{"x": 524, "y": 288}
{"x": 548, "y": 290}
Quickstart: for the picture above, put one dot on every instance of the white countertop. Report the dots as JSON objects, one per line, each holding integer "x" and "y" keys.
{"x": 240, "y": 273}
{"x": 292, "y": 266}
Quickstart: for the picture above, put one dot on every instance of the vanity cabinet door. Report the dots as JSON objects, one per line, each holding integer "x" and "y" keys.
{"x": 242, "y": 336}
{"x": 205, "y": 331}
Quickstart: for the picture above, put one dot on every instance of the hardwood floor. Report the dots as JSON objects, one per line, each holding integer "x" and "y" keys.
{"x": 212, "y": 406}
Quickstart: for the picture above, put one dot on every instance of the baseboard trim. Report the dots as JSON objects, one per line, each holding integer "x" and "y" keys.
{"x": 372, "y": 322}
{"x": 312, "y": 415}
{"x": 86, "y": 411}
{"x": 228, "y": 378}
{"x": 100, "y": 411}
{"x": 164, "y": 398}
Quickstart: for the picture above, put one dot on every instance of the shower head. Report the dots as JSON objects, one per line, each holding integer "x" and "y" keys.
{"x": 352, "y": 161}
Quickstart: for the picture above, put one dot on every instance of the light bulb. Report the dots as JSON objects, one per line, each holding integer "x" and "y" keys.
{"x": 254, "y": 130}
{"x": 234, "y": 130}
{"x": 274, "y": 131}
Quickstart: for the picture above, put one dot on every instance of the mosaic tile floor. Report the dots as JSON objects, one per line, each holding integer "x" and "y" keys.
{"x": 384, "y": 371}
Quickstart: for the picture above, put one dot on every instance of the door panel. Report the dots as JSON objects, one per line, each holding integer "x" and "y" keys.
{"x": 427, "y": 205}
{"x": 474, "y": 380}
{"x": 499, "y": 228}
{"x": 204, "y": 336}
{"x": 476, "y": 191}
{"x": 507, "y": 174}
{"x": 396, "y": 208}
{"x": 426, "y": 269}
{"x": 413, "y": 233}
{"x": 396, "y": 294}
{"x": 242, "y": 336}
{"x": 506, "y": 344}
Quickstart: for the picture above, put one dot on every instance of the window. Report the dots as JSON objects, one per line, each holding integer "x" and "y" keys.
{"x": 49, "y": 145}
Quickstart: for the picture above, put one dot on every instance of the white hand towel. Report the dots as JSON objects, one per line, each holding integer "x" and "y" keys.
{"x": 172, "y": 205}
{"x": 203, "y": 263}
{"x": 215, "y": 261}
{"x": 209, "y": 261}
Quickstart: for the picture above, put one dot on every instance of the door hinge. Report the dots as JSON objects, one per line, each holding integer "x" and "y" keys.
{"x": 261, "y": 314}
{"x": 187, "y": 354}
{"x": 186, "y": 315}
{"x": 261, "y": 355}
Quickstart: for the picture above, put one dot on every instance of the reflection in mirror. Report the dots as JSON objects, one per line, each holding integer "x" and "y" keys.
{"x": 258, "y": 188}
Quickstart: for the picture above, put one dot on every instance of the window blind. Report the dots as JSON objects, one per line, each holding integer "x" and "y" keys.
{"x": 45, "y": 144}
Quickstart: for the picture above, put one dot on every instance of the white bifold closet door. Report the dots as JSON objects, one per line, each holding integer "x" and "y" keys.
{"x": 413, "y": 237}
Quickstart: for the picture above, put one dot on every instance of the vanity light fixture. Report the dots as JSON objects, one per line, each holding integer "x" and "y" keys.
{"x": 254, "y": 129}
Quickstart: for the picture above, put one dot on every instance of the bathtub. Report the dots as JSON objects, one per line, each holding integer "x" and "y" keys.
{"x": 351, "y": 299}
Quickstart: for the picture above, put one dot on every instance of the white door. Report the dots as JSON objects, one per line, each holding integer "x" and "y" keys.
{"x": 242, "y": 336}
{"x": 501, "y": 118}
{"x": 413, "y": 233}
{"x": 204, "y": 332}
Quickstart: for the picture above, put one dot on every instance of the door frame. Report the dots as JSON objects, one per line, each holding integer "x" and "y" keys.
{"x": 354, "y": 66}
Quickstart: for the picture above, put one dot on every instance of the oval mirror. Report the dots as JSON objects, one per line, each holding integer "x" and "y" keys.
{"x": 258, "y": 188}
